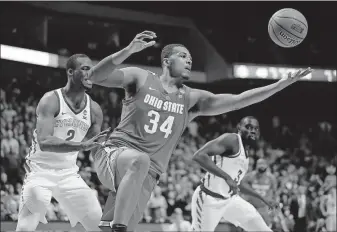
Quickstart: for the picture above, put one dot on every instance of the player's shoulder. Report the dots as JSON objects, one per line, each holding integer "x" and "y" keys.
{"x": 230, "y": 141}
{"x": 229, "y": 137}
{"x": 138, "y": 75}
{"x": 135, "y": 72}
{"x": 49, "y": 100}
{"x": 49, "y": 103}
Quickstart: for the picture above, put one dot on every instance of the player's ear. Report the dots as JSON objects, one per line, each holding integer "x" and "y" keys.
{"x": 238, "y": 127}
{"x": 70, "y": 72}
{"x": 166, "y": 62}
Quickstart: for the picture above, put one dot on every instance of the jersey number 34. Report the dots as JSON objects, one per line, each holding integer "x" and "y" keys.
{"x": 165, "y": 127}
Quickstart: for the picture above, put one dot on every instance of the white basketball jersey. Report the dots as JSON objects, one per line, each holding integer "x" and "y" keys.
{"x": 68, "y": 126}
{"x": 235, "y": 166}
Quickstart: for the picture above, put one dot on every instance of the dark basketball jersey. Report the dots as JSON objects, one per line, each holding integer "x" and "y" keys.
{"x": 153, "y": 121}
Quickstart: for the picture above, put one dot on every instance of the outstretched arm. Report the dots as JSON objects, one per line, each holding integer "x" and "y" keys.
{"x": 207, "y": 104}
{"x": 105, "y": 72}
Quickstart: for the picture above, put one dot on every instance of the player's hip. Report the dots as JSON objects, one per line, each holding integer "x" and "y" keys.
{"x": 33, "y": 167}
{"x": 53, "y": 161}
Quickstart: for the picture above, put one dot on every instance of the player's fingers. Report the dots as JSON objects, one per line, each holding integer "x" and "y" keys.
{"x": 144, "y": 36}
{"x": 306, "y": 72}
{"x": 105, "y": 131}
{"x": 151, "y": 33}
{"x": 149, "y": 44}
{"x": 97, "y": 137}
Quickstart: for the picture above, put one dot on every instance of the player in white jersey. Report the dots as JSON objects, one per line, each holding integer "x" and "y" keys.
{"x": 328, "y": 209}
{"x": 67, "y": 121}
{"x": 217, "y": 197}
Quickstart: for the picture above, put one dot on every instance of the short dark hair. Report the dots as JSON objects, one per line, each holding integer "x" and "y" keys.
{"x": 243, "y": 119}
{"x": 167, "y": 51}
{"x": 72, "y": 61}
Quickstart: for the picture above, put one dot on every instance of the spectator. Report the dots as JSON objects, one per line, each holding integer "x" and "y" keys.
{"x": 157, "y": 206}
{"x": 299, "y": 208}
{"x": 178, "y": 222}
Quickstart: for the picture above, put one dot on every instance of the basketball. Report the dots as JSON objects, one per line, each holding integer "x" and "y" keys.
{"x": 288, "y": 28}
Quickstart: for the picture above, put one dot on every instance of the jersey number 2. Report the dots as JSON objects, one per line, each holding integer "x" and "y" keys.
{"x": 166, "y": 127}
{"x": 71, "y": 134}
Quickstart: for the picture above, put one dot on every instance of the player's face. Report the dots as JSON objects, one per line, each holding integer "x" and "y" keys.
{"x": 180, "y": 63}
{"x": 250, "y": 129}
{"x": 80, "y": 75}
{"x": 261, "y": 165}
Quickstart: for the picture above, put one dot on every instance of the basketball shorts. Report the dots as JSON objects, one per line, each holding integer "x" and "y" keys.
{"x": 207, "y": 211}
{"x": 65, "y": 185}
{"x": 105, "y": 162}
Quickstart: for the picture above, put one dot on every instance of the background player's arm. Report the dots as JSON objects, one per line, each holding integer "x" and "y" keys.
{"x": 206, "y": 103}
{"x": 248, "y": 179}
{"x": 246, "y": 188}
{"x": 218, "y": 146}
{"x": 46, "y": 110}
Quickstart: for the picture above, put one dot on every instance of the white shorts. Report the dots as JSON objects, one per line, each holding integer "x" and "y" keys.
{"x": 65, "y": 185}
{"x": 207, "y": 211}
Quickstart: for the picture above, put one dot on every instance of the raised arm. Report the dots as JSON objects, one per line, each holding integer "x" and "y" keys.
{"x": 46, "y": 111}
{"x": 105, "y": 72}
{"x": 221, "y": 145}
{"x": 205, "y": 103}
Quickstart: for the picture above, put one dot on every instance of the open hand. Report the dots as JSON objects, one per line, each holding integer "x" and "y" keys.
{"x": 295, "y": 76}
{"x": 139, "y": 43}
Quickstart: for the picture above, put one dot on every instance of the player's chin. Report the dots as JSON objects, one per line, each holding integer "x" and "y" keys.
{"x": 186, "y": 75}
{"x": 87, "y": 87}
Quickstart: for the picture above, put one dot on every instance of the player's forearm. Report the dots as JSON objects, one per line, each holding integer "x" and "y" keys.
{"x": 104, "y": 68}
{"x": 256, "y": 95}
{"x": 54, "y": 144}
{"x": 206, "y": 163}
{"x": 246, "y": 189}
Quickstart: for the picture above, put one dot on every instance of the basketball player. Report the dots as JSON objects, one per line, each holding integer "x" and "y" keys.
{"x": 226, "y": 163}
{"x": 65, "y": 117}
{"x": 265, "y": 184}
{"x": 328, "y": 209}
{"x": 156, "y": 111}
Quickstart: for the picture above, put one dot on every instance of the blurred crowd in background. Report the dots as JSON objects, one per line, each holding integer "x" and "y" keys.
{"x": 300, "y": 157}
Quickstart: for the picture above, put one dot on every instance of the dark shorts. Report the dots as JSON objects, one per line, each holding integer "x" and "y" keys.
{"x": 105, "y": 162}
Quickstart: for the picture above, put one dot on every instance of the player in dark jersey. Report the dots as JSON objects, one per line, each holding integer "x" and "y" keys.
{"x": 264, "y": 183}
{"x": 155, "y": 113}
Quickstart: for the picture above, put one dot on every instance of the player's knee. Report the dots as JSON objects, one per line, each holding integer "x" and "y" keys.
{"x": 141, "y": 163}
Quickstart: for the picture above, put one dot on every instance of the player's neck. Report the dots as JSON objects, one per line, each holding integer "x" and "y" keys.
{"x": 75, "y": 94}
{"x": 169, "y": 82}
